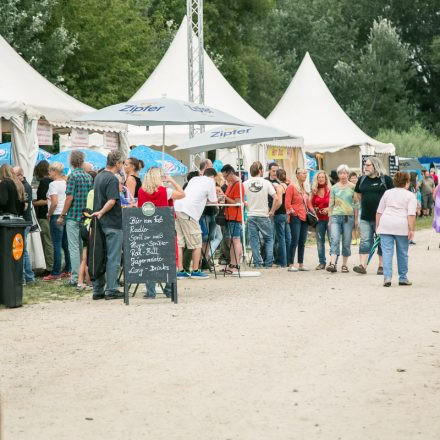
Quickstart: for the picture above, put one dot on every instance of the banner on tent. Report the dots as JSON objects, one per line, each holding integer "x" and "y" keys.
{"x": 44, "y": 132}
{"x": 111, "y": 141}
{"x": 79, "y": 138}
{"x": 277, "y": 153}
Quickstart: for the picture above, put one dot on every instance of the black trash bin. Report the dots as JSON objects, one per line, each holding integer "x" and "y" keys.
{"x": 11, "y": 263}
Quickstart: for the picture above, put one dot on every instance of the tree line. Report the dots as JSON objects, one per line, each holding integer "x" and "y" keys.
{"x": 380, "y": 58}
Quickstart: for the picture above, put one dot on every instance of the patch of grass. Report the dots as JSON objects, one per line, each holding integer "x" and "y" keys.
{"x": 41, "y": 291}
{"x": 423, "y": 223}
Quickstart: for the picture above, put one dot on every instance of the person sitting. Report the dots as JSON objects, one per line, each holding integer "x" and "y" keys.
{"x": 154, "y": 191}
{"x": 200, "y": 189}
{"x": 396, "y": 219}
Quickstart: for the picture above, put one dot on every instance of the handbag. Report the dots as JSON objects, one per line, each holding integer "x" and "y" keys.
{"x": 311, "y": 218}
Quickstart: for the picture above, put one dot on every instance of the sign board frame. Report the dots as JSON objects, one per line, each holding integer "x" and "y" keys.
{"x": 149, "y": 247}
{"x": 393, "y": 165}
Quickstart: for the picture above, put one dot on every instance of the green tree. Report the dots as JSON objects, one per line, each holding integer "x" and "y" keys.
{"x": 27, "y": 26}
{"x": 118, "y": 47}
{"x": 415, "y": 142}
{"x": 373, "y": 89}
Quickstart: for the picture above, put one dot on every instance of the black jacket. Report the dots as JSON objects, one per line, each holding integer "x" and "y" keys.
{"x": 96, "y": 251}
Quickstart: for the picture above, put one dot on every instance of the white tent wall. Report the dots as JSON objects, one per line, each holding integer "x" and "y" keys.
{"x": 309, "y": 109}
{"x": 170, "y": 78}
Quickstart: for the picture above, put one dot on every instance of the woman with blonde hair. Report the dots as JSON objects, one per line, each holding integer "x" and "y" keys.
{"x": 153, "y": 191}
{"x": 297, "y": 203}
{"x": 56, "y": 196}
{"x": 343, "y": 213}
{"x": 320, "y": 198}
{"x": 12, "y": 194}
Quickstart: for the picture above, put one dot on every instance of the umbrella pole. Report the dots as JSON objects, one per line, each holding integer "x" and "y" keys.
{"x": 243, "y": 225}
{"x": 163, "y": 148}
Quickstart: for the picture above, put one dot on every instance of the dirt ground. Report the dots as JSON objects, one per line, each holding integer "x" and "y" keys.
{"x": 308, "y": 355}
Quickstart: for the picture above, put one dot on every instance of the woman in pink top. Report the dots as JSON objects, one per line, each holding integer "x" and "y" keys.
{"x": 296, "y": 201}
{"x": 320, "y": 199}
{"x": 395, "y": 220}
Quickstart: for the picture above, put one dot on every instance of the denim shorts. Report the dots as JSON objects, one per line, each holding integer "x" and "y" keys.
{"x": 232, "y": 229}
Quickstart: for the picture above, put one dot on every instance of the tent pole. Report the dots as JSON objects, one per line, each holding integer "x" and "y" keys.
{"x": 163, "y": 147}
{"x": 243, "y": 225}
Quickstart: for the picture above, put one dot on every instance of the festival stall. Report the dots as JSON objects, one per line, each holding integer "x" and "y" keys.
{"x": 309, "y": 109}
{"x": 170, "y": 78}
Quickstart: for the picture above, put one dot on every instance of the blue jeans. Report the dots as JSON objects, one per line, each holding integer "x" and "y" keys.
{"x": 341, "y": 226}
{"x": 387, "y": 242}
{"x": 28, "y": 273}
{"x": 151, "y": 289}
{"x": 208, "y": 227}
{"x": 75, "y": 246}
{"x": 59, "y": 241}
{"x": 298, "y": 232}
{"x": 113, "y": 243}
{"x": 282, "y": 232}
{"x": 218, "y": 236}
{"x": 263, "y": 226}
{"x": 321, "y": 230}
{"x": 367, "y": 230}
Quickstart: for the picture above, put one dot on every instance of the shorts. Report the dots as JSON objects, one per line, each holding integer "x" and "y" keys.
{"x": 427, "y": 201}
{"x": 188, "y": 230}
{"x": 232, "y": 229}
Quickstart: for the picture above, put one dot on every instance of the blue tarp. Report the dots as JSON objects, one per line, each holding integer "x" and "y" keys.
{"x": 6, "y": 154}
{"x": 96, "y": 159}
{"x": 153, "y": 158}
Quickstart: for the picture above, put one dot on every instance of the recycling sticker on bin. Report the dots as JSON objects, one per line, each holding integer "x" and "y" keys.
{"x": 17, "y": 246}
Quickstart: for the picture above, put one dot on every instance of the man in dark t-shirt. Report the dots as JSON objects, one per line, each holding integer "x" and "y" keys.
{"x": 107, "y": 208}
{"x": 370, "y": 188}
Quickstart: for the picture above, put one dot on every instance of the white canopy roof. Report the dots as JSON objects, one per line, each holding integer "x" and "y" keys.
{"x": 170, "y": 78}
{"x": 24, "y": 91}
{"x": 309, "y": 109}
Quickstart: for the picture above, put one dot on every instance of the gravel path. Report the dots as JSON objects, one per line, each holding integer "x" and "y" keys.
{"x": 307, "y": 355}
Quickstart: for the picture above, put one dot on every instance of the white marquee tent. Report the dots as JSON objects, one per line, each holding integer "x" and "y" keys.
{"x": 25, "y": 97}
{"x": 170, "y": 78}
{"x": 308, "y": 108}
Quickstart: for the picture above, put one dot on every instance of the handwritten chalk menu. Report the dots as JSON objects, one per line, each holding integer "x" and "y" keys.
{"x": 149, "y": 244}
{"x": 393, "y": 164}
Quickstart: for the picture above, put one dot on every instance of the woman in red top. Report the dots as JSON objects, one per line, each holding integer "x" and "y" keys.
{"x": 154, "y": 191}
{"x": 296, "y": 201}
{"x": 320, "y": 198}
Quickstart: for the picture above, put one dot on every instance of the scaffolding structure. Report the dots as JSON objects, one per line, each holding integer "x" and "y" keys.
{"x": 196, "y": 84}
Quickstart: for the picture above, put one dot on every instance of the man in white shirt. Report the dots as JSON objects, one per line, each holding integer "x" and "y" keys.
{"x": 257, "y": 190}
{"x": 200, "y": 189}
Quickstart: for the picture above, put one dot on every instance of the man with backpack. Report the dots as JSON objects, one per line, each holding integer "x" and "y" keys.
{"x": 370, "y": 189}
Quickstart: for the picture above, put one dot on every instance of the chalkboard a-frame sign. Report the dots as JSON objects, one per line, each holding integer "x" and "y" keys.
{"x": 149, "y": 247}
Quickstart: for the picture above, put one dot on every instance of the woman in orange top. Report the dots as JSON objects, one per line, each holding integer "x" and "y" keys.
{"x": 296, "y": 201}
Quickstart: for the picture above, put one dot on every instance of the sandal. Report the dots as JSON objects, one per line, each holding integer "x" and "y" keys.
{"x": 331, "y": 268}
{"x": 344, "y": 269}
{"x": 228, "y": 270}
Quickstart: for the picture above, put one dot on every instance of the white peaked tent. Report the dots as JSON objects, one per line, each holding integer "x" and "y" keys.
{"x": 308, "y": 108}
{"x": 25, "y": 97}
{"x": 170, "y": 78}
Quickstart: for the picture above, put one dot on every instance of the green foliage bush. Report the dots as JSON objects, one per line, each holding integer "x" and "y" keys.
{"x": 415, "y": 142}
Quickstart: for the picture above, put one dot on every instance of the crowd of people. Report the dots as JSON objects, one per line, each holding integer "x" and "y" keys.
{"x": 345, "y": 210}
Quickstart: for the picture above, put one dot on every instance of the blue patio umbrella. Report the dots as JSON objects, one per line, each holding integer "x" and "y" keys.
{"x": 96, "y": 159}
{"x": 6, "y": 154}
{"x": 153, "y": 158}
